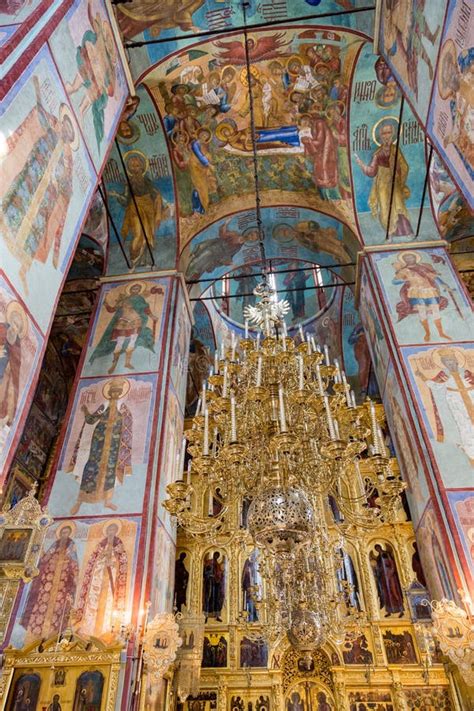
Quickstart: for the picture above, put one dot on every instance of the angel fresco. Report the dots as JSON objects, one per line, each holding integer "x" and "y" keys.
{"x": 110, "y": 452}
{"x": 128, "y": 327}
{"x": 37, "y": 179}
{"x": 96, "y": 59}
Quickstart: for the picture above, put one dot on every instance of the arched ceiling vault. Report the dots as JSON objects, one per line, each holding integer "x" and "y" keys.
{"x": 321, "y": 100}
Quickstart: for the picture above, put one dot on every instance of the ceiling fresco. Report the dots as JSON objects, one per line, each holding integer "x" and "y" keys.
{"x": 290, "y": 232}
{"x": 298, "y": 76}
{"x": 327, "y": 112}
{"x": 153, "y": 30}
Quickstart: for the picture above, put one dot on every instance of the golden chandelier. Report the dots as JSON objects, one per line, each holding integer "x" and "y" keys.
{"x": 278, "y": 434}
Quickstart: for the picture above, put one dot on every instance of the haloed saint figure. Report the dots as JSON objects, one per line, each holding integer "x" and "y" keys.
{"x": 213, "y": 586}
{"x": 110, "y": 452}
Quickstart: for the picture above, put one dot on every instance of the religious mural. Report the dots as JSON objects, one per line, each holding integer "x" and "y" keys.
{"x": 141, "y": 18}
{"x": 399, "y": 646}
{"x": 253, "y": 653}
{"x": 180, "y": 348}
{"x": 309, "y": 696}
{"x": 300, "y": 86}
{"x": 452, "y": 107}
{"x": 139, "y": 184}
{"x": 442, "y": 381}
{"x": 127, "y": 329}
{"x": 411, "y": 33}
{"x": 462, "y": 505}
{"x": 453, "y": 214}
{"x": 370, "y": 318}
{"x": 105, "y": 453}
{"x": 410, "y": 458}
{"x": 422, "y": 699}
{"x": 20, "y": 348}
{"x": 85, "y": 579}
{"x": 292, "y": 232}
{"x": 170, "y": 455}
{"x": 20, "y": 20}
{"x": 436, "y": 566}
{"x": 47, "y": 182}
{"x": 364, "y": 699}
{"x": 163, "y": 575}
{"x": 374, "y": 127}
{"x": 357, "y": 651}
{"x": 214, "y": 652}
{"x": 421, "y": 289}
{"x": 85, "y": 51}
{"x": 201, "y": 345}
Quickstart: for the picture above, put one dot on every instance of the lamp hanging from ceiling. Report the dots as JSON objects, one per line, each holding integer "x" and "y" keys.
{"x": 279, "y": 427}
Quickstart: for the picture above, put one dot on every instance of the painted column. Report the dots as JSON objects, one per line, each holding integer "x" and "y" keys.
{"x": 112, "y": 548}
{"x": 57, "y": 122}
{"x": 419, "y": 322}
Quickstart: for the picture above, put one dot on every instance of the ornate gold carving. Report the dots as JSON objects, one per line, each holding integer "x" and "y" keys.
{"x": 160, "y": 644}
{"x": 455, "y": 633}
{"x": 22, "y": 531}
{"x": 73, "y": 655}
{"x": 320, "y": 668}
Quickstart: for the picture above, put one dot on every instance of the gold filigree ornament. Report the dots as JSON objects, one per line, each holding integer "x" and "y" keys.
{"x": 279, "y": 434}
{"x": 160, "y": 644}
{"x": 455, "y": 632}
{"x": 22, "y": 532}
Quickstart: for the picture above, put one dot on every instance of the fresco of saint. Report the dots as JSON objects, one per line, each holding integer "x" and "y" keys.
{"x": 37, "y": 178}
{"x": 96, "y": 57}
{"x": 452, "y": 387}
{"x": 381, "y": 168}
{"x": 110, "y": 448}
{"x": 128, "y": 328}
{"x": 102, "y": 597}
{"x": 52, "y": 592}
{"x": 420, "y": 292}
{"x": 144, "y": 208}
{"x": 405, "y": 26}
{"x": 13, "y": 328}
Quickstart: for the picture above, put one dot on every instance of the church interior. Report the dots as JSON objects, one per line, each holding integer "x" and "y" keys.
{"x": 236, "y": 355}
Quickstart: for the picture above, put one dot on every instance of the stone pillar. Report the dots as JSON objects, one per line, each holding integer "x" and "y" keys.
{"x": 111, "y": 549}
{"x": 419, "y": 325}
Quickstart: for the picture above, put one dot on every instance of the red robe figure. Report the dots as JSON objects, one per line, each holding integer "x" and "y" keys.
{"x": 52, "y": 592}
